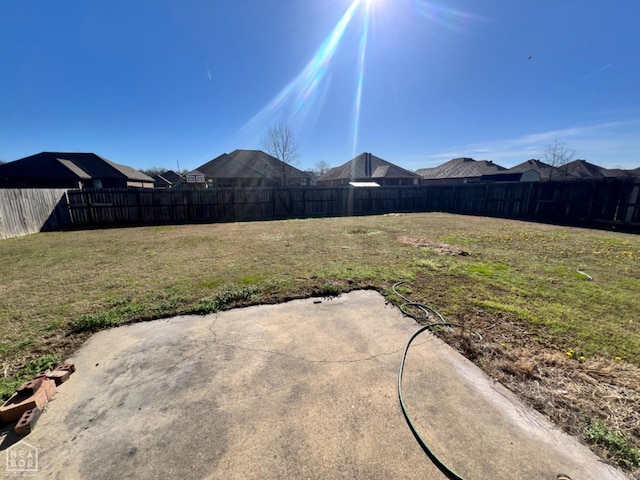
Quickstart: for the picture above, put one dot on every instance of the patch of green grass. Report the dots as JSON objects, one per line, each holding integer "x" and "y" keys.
{"x": 485, "y": 269}
{"x": 429, "y": 263}
{"x": 328, "y": 290}
{"x": 500, "y": 307}
{"x": 8, "y": 386}
{"x": 251, "y": 280}
{"x": 361, "y": 230}
{"x": 41, "y": 364}
{"x": 92, "y": 322}
{"x": 615, "y": 443}
{"x": 228, "y": 296}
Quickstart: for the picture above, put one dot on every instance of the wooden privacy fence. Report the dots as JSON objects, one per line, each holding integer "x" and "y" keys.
{"x": 606, "y": 203}
{"x": 25, "y": 211}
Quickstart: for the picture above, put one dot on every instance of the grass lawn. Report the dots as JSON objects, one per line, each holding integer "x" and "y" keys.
{"x": 568, "y": 345}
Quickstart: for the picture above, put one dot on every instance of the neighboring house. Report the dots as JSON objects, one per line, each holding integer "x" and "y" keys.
{"x": 169, "y": 179}
{"x": 367, "y": 168}
{"x": 247, "y": 168}
{"x": 457, "y": 171}
{"x": 583, "y": 170}
{"x": 624, "y": 174}
{"x": 544, "y": 170}
{"x": 535, "y": 170}
{"x": 70, "y": 170}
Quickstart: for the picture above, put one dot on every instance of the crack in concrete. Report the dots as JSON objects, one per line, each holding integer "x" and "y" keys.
{"x": 294, "y": 357}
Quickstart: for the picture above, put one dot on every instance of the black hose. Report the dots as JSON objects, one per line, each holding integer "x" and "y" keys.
{"x": 450, "y": 474}
{"x": 426, "y": 310}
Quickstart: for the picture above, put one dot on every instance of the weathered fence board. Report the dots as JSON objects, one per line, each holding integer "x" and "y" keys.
{"x": 25, "y": 211}
{"x": 610, "y": 203}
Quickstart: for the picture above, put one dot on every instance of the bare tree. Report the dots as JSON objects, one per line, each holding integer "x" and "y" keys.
{"x": 321, "y": 167}
{"x": 278, "y": 141}
{"x": 558, "y": 154}
{"x": 153, "y": 171}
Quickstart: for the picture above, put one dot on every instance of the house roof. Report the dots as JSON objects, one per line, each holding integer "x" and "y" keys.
{"x": 461, "y": 168}
{"x": 249, "y": 164}
{"x": 172, "y": 177}
{"x": 160, "y": 182}
{"x": 75, "y": 169}
{"x": 367, "y": 165}
{"x": 531, "y": 164}
{"x": 621, "y": 173}
{"x": 544, "y": 169}
{"x": 584, "y": 170}
{"x": 70, "y": 165}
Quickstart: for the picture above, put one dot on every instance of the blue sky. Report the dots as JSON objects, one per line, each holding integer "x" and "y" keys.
{"x": 150, "y": 83}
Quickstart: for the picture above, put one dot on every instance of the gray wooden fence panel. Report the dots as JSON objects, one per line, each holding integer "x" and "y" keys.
{"x": 614, "y": 203}
{"x": 26, "y": 211}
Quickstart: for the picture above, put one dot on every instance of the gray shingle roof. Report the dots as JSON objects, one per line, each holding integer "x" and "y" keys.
{"x": 544, "y": 169}
{"x": 359, "y": 168}
{"x": 173, "y": 177}
{"x": 584, "y": 170}
{"x": 59, "y": 165}
{"x": 249, "y": 164}
{"x": 461, "y": 168}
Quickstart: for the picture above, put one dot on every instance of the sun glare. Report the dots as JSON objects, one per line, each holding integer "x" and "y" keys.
{"x": 301, "y": 100}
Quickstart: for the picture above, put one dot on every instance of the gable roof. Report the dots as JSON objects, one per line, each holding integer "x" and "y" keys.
{"x": 172, "y": 177}
{"x": 584, "y": 170}
{"x": 249, "y": 164}
{"x": 160, "y": 182}
{"x": 70, "y": 165}
{"x": 366, "y": 165}
{"x": 462, "y": 167}
{"x": 531, "y": 164}
{"x": 168, "y": 179}
{"x": 544, "y": 169}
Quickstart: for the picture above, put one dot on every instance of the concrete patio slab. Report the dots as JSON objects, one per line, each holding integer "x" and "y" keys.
{"x": 304, "y": 390}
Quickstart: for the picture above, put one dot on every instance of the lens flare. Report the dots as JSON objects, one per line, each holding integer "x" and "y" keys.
{"x": 298, "y": 98}
{"x": 301, "y": 100}
{"x": 362, "y": 56}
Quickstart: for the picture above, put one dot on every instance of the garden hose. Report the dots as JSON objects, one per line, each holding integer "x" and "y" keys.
{"x": 426, "y": 310}
{"x": 450, "y": 474}
{"x": 425, "y": 317}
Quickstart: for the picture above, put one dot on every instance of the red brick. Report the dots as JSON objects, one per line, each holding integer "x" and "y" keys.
{"x": 31, "y": 386}
{"x": 12, "y": 409}
{"x": 68, "y": 367}
{"x": 59, "y": 376}
{"x": 49, "y": 386}
{"x": 27, "y": 421}
{"x": 42, "y": 374}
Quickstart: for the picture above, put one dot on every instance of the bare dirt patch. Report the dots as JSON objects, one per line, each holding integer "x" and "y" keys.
{"x": 437, "y": 247}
